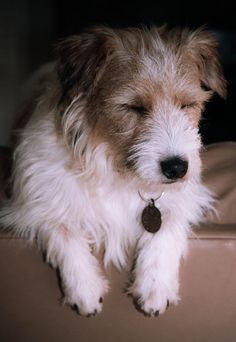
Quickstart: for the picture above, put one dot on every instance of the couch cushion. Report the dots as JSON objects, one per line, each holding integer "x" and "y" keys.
{"x": 219, "y": 174}
{"x": 30, "y": 307}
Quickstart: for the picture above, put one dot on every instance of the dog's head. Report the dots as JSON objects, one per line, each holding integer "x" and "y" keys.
{"x": 140, "y": 93}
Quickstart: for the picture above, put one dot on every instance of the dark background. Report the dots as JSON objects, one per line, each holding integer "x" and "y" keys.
{"x": 35, "y": 26}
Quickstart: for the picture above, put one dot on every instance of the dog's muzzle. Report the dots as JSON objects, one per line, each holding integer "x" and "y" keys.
{"x": 174, "y": 168}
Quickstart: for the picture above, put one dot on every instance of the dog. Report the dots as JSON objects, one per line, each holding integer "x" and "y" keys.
{"x": 109, "y": 159}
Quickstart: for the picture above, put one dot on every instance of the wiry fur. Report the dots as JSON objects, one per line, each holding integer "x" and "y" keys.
{"x": 115, "y": 105}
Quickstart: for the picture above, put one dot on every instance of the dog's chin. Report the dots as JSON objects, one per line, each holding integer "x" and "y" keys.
{"x": 160, "y": 185}
{"x": 155, "y": 184}
{"x": 174, "y": 185}
{"x": 170, "y": 182}
{"x": 175, "y": 181}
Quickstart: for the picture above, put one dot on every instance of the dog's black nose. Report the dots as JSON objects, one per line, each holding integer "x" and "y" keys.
{"x": 174, "y": 168}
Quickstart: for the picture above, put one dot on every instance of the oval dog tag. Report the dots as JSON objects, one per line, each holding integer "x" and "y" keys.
{"x": 151, "y": 217}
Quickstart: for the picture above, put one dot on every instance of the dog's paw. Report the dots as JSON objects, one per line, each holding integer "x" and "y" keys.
{"x": 154, "y": 300}
{"x": 87, "y": 298}
{"x": 88, "y": 310}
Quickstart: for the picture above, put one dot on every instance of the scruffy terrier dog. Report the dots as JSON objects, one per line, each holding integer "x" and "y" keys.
{"x": 109, "y": 158}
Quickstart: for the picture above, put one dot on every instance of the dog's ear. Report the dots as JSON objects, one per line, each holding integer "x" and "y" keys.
{"x": 204, "y": 50}
{"x": 82, "y": 59}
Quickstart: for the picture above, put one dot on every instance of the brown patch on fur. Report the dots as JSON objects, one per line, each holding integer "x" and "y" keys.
{"x": 204, "y": 52}
{"x": 82, "y": 59}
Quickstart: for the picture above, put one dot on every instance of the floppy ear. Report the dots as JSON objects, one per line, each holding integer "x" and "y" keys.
{"x": 81, "y": 60}
{"x": 204, "y": 51}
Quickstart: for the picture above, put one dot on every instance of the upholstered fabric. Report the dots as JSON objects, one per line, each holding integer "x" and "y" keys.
{"x": 219, "y": 173}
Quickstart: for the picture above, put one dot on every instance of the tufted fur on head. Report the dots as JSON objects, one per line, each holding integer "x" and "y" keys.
{"x": 116, "y": 116}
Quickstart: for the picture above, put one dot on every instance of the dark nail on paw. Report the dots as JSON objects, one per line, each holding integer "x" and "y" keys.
{"x": 75, "y": 308}
{"x": 101, "y": 300}
{"x": 92, "y": 314}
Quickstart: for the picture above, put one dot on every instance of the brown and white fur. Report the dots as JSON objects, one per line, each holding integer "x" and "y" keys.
{"x": 116, "y": 105}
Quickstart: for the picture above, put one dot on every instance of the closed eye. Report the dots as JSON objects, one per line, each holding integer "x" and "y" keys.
{"x": 137, "y": 109}
{"x": 188, "y": 105}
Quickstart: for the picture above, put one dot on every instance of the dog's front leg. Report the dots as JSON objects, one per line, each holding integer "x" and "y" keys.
{"x": 156, "y": 272}
{"x": 82, "y": 280}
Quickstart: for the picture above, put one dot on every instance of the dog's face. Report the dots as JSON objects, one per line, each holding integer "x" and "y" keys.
{"x": 142, "y": 93}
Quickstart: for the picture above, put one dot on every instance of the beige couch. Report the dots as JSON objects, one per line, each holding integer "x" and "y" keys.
{"x": 30, "y": 309}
